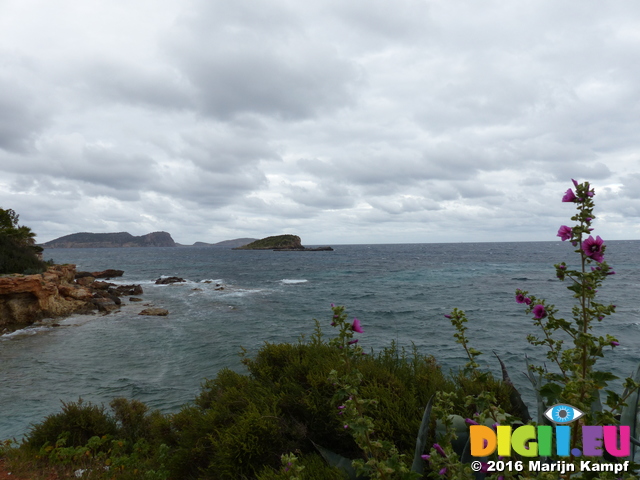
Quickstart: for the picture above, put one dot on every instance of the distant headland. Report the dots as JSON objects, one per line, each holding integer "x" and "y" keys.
{"x": 125, "y": 240}
{"x": 282, "y": 243}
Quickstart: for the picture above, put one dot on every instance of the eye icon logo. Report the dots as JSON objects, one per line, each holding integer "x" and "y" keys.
{"x": 563, "y": 413}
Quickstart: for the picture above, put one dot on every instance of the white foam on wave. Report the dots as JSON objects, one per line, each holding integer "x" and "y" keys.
{"x": 240, "y": 292}
{"x": 26, "y": 332}
{"x": 290, "y": 281}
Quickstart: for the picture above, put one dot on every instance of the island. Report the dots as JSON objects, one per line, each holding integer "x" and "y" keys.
{"x": 125, "y": 239}
{"x": 282, "y": 243}
{"x": 111, "y": 240}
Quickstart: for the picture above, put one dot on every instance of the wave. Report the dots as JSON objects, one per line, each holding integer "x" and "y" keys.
{"x": 288, "y": 281}
{"x": 26, "y": 331}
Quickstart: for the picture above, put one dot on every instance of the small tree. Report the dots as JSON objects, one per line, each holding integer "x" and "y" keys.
{"x": 18, "y": 252}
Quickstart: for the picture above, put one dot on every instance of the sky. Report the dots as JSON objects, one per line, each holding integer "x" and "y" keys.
{"x": 413, "y": 121}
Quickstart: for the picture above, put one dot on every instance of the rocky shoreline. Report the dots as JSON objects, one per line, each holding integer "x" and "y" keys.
{"x": 58, "y": 292}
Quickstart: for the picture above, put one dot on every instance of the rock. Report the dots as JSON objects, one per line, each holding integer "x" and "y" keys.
{"x": 79, "y": 275}
{"x": 125, "y": 290}
{"x": 78, "y": 293}
{"x": 25, "y": 299}
{"x": 109, "y": 273}
{"x": 135, "y": 299}
{"x": 98, "y": 285}
{"x": 196, "y": 289}
{"x": 155, "y": 311}
{"x": 168, "y": 280}
{"x": 85, "y": 281}
{"x": 105, "y": 304}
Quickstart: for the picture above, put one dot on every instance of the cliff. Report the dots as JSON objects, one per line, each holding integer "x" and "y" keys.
{"x": 27, "y": 298}
{"x": 58, "y": 292}
{"x": 111, "y": 240}
{"x": 281, "y": 243}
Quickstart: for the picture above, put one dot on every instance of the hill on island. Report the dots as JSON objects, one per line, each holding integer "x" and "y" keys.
{"x": 236, "y": 242}
{"x": 285, "y": 243}
{"x": 111, "y": 240}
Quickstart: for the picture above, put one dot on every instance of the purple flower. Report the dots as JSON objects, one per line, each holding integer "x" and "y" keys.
{"x": 447, "y": 316}
{"x": 592, "y": 247}
{"x": 439, "y": 449}
{"x": 346, "y": 426}
{"x": 469, "y": 421}
{"x": 614, "y": 343}
{"x": 575, "y": 184}
{"x": 425, "y": 457}
{"x": 351, "y": 342}
{"x": 442, "y": 471}
{"x": 588, "y": 219}
{"x": 539, "y": 312}
{"x": 569, "y": 196}
{"x": 356, "y": 326}
{"x": 565, "y": 233}
{"x": 520, "y": 298}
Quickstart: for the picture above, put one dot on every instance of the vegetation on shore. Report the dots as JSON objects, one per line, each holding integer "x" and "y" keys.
{"x": 18, "y": 252}
{"x": 239, "y": 426}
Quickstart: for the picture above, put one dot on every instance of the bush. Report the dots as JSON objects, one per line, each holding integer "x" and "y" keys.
{"x": 239, "y": 426}
{"x": 17, "y": 258}
{"x": 78, "y": 422}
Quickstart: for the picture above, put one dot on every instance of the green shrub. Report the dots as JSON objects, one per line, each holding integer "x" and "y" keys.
{"x": 78, "y": 422}
{"x": 315, "y": 468}
{"x": 239, "y": 426}
{"x": 132, "y": 419}
{"x": 18, "y": 258}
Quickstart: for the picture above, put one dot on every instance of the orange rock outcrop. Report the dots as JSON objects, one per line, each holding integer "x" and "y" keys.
{"x": 25, "y": 299}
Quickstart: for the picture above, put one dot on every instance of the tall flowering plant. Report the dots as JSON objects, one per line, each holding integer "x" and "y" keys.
{"x": 575, "y": 380}
{"x": 382, "y": 459}
{"x": 571, "y": 376}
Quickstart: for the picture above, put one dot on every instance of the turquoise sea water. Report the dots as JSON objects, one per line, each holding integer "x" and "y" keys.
{"x": 399, "y": 292}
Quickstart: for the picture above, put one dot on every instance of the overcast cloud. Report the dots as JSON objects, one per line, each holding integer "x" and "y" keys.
{"x": 342, "y": 122}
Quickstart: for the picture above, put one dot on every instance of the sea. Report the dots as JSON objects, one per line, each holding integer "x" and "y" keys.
{"x": 400, "y": 293}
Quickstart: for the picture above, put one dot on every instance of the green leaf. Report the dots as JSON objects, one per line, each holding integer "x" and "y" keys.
{"x": 536, "y": 383}
{"x": 629, "y": 414}
{"x": 338, "y": 461}
{"x": 602, "y": 378}
{"x": 551, "y": 391}
{"x": 421, "y": 439}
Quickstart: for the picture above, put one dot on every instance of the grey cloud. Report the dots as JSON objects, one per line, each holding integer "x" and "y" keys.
{"x": 22, "y": 112}
{"x": 397, "y": 205}
{"x": 326, "y": 197}
{"x": 239, "y": 61}
{"x": 118, "y": 80}
{"x": 225, "y": 148}
{"x": 631, "y": 185}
